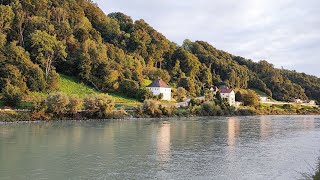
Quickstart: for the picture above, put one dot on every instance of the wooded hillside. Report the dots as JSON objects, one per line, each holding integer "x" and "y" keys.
{"x": 41, "y": 38}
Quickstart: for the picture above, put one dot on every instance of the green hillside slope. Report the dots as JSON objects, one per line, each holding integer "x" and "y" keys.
{"x": 72, "y": 86}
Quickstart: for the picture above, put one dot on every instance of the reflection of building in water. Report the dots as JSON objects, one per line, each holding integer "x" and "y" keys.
{"x": 233, "y": 130}
{"x": 308, "y": 123}
{"x": 163, "y": 143}
{"x": 265, "y": 127}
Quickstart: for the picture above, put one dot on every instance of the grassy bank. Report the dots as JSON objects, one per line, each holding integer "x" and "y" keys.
{"x": 72, "y": 86}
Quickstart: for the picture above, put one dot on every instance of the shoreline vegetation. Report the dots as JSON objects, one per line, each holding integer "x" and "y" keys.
{"x": 60, "y": 106}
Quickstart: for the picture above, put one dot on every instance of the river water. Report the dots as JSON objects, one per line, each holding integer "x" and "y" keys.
{"x": 258, "y": 147}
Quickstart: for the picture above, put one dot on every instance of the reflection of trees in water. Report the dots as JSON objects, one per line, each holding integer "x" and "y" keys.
{"x": 196, "y": 134}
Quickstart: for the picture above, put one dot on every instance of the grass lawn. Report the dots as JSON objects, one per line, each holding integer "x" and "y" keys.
{"x": 146, "y": 82}
{"x": 70, "y": 85}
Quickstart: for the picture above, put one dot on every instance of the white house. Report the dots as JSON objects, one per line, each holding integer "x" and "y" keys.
{"x": 264, "y": 99}
{"x": 229, "y": 95}
{"x": 298, "y": 101}
{"x": 158, "y": 87}
{"x": 214, "y": 89}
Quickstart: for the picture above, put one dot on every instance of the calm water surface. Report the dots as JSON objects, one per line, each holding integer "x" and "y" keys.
{"x": 261, "y": 147}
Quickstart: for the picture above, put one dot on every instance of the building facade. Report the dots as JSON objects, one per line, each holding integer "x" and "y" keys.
{"x": 228, "y": 95}
{"x": 158, "y": 87}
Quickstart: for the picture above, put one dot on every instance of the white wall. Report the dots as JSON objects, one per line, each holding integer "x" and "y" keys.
{"x": 165, "y": 91}
{"x": 230, "y": 97}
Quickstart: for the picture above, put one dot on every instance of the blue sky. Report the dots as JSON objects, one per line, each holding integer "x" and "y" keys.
{"x": 284, "y": 32}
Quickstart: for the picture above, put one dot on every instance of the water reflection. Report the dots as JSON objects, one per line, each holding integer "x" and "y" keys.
{"x": 163, "y": 143}
{"x": 203, "y": 148}
{"x": 265, "y": 127}
{"x": 233, "y": 130}
{"x": 308, "y": 123}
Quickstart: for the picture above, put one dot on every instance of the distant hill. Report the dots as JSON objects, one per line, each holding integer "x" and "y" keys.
{"x": 41, "y": 38}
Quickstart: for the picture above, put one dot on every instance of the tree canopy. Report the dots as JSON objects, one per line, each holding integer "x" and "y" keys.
{"x": 41, "y": 38}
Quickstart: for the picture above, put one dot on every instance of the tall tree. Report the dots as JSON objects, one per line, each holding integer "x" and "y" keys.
{"x": 48, "y": 49}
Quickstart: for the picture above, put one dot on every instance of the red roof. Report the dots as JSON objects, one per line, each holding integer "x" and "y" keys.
{"x": 225, "y": 90}
{"x": 158, "y": 83}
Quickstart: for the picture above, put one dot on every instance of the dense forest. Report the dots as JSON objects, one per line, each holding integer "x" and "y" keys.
{"x": 41, "y": 38}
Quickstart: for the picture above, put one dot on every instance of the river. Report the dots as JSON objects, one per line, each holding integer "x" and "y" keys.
{"x": 257, "y": 147}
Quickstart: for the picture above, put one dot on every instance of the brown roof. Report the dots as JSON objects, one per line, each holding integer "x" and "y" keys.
{"x": 225, "y": 90}
{"x": 158, "y": 83}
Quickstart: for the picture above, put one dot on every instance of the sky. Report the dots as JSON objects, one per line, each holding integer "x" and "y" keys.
{"x": 286, "y": 33}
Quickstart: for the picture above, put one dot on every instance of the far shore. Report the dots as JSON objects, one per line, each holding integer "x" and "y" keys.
{"x": 142, "y": 118}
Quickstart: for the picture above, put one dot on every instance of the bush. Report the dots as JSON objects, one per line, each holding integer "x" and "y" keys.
{"x": 208, "y": 109}
{"x": 246, "y": 112}
{"x": 209, "y": 95}
{"x": 101, "y": 105}
{"x": 152, "y": 107}
{"x": 287, "y": 106}
{"x": 144, "y": 94}
{"x": 39, "y": 110}
{"x": 57, "y": 104}
{"x": 168, "y": 110}
{"x": 250, "y": 98}
{"x": 75, "y": 104}
{"x": 11, "y": 95}
{"x": 180, "y": 94}
{"x": 160, "y": 96}
{"x": 195, "y": 102}
{"x": 129, "y": 88}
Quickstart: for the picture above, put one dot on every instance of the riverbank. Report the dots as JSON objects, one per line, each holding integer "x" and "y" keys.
{"x": 29, "y": 116}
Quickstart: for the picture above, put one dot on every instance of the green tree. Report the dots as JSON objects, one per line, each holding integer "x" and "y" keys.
{"x": 250, "y": 98}
{"x": 6, "y": 18}
{"x": 239, "y": 96}
{"x": 12, "y": 95}
{"x": 48, "y": 49}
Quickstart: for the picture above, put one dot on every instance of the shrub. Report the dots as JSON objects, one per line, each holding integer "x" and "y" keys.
{"x": 180, "y": 94}
{"x": 144, "y": 94}
{"x": 195, "y": 102}
{"x": 250, "y": 98}
{"x": 239, "y": 96}
{"x": 168, "y": 110}
{"x": 246, "y": 112}
{"x": 57, "y": 103}
{"x": 151, "y": 107}
{"x": 101, "y": 105}
{"x": 75, "y": 104}
{"x": 129, "y": 87}
{"x": 209, "y": 95}
{"x": 160, "y": 96}
{"x": 208, "y": 109}
{"x": 287, "y": 106}
{"x": 11, "y": 95}
{"x": 38, "y": 111}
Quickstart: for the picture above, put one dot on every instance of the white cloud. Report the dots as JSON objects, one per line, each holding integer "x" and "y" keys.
{"x": 284, "y": 32}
